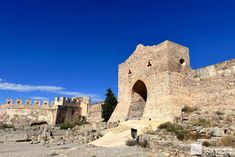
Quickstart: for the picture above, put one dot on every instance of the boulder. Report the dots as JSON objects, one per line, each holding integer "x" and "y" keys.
{"x": 196, "y": 149}
{"x": 218, "y": 132}
{"x": 14, "y": 137}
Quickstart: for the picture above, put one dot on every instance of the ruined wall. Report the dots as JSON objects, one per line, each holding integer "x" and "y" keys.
{"x": 80, "y": 102}
{"x": 165, "y": 71}
{"x": 213, "y": 87}
{"x": 26, "y": 114}
{"x": 59, "y": 111}
{"x": 95, "y": 113}
{"x": 67, "y": 114}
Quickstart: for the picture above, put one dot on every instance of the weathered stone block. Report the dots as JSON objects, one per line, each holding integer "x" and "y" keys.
{"x": 14, "y": 137}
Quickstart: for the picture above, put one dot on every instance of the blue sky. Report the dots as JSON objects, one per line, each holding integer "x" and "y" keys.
{"x": 52, "y": 48}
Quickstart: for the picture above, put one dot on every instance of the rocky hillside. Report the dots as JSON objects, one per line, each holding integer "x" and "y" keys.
{"x": 195, "y": 132}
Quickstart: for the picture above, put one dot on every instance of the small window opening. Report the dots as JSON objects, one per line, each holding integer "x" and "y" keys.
{"x": 129, "y": 72}
{"x": 182, "y": 62}
{"x": 149, "y": 64}
{"x": 225, "y": 131}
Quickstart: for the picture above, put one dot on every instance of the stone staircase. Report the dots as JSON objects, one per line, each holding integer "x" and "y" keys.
{"x": 136, "y": 110}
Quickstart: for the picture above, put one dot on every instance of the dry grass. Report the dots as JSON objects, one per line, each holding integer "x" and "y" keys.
{"x": 201, "y": 122}
{"x": 178, "y": 130}
{"x": 131, "y": 142}
{"x": 228, "y": 141}
{"x": 206, "y": 144}
{"x": 219, "y": 113}
{"x": 188, "y": 109}
{"x": 143, "y": 144}
{"x": 149, "y": 130}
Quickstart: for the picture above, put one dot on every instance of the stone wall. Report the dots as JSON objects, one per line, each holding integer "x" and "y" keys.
{"x": 213, "y": 87}
{"x": 67, "y": 114}
{"x": 62, "y": 110}
{"x": 95, "y": 113}
{"x": 25, "y": 117}
{"x": 165, "y": 71}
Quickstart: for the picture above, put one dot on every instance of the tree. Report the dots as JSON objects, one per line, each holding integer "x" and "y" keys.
{"x": 109, "y": 105}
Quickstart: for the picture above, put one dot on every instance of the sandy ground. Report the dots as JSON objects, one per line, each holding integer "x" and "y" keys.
{"x": 25, "y": 149}
{"x": 119, "y": 135}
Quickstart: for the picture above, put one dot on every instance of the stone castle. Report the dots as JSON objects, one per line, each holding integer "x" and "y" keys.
{"x": 156, "y": 82}
{"x": 58, "y": 111}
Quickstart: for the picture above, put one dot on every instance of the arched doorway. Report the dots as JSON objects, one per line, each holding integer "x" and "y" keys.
{"x": 138, "y": 100}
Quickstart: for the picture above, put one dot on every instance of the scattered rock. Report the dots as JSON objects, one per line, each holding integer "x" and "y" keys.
{"x": 196, "y": 149}
{"x": 218, "y": 132}
{"x": 14, "y": 137}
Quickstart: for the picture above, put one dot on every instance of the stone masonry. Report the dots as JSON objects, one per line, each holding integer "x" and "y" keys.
{"x": 59, "y": 111}
{"x": 156, "y": 82}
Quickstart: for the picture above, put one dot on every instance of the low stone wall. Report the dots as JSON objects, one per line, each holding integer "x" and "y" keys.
{"x": 177, "y": 148}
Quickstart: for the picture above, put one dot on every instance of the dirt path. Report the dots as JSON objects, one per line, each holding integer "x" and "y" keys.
{"x": 118, "y": 136}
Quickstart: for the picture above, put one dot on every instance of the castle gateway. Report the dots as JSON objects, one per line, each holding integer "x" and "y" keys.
{"x": 156, "y": 82}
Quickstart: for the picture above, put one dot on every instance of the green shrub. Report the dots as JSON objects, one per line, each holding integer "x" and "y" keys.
{"x": 206, "y": 144}
{"x": 65, "y": 126}
{"x": 79, "y": 122}
{"x": 188, "y": 109}
{"x": 220, "y": 118}
{"x": 196, "y": 136}
{"x": 201, "y": 122}
{"x": 219, "y": 113}
{"x": 178, "y": 130}
{"x": 131, "y": 142}
{"x": 4, "y": 126}
{"x": 7, "y": 126}
{"x": 143, "y": 144}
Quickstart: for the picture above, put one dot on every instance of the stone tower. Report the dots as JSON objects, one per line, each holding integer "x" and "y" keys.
{"x": 147, "y": 79}
{"x": 156, "y": 82}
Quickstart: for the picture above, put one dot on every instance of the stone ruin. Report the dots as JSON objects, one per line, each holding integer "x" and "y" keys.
{"x": 59, "y": 111}
{"x": 156, "y": 82}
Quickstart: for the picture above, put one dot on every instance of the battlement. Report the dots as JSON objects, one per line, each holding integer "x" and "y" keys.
{"x": 72, "y": 102}
{"x": 27, "y": 104}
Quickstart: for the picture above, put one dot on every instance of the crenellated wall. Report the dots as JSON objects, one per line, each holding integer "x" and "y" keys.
{"x": 27, "y": 113}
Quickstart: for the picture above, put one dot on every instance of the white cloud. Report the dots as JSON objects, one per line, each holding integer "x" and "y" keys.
{"x": 45, "y": 88}
{"x": 39, "y": 98}
{"x": 27, "y": 88}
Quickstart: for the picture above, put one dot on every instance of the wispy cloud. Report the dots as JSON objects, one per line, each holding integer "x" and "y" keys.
{"x": 45, "y": 88}
{"x": 39, "y": 98}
